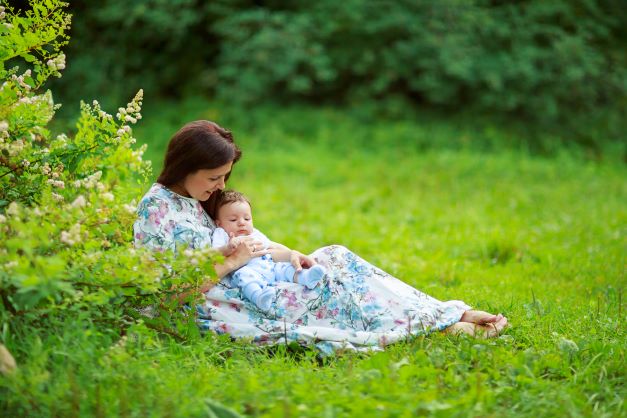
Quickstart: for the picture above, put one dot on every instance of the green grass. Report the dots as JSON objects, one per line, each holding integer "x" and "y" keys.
{"x": 459, "y": 212}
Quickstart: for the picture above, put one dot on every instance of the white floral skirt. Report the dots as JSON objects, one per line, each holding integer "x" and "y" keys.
{"x": 357, "y": 306}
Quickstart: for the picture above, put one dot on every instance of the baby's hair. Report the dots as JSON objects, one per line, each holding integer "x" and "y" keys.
{"x": 231, "y": 196}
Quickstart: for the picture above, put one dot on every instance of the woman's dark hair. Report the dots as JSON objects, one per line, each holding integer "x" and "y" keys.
{"x": 196, "y": 146}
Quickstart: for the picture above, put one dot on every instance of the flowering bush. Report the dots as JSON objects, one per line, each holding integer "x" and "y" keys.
{"x": 67, "y": 202}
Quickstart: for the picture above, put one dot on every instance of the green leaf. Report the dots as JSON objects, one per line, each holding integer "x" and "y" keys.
{"x": 216, "y": 410}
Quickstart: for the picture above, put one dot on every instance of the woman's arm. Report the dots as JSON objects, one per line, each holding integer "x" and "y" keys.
{"x": 239, "y": 257}
{"x": 247, "y": 249}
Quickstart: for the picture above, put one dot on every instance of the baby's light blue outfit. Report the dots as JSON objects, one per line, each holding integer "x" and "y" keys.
{"x": 260, "y": 272}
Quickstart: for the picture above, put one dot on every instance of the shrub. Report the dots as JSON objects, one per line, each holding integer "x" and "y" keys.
{"x": 66, "y": 201}
{"x": 542, "y": 61}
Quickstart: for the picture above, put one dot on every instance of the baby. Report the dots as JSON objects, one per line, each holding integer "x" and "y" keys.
{"x": 234, "y": 219}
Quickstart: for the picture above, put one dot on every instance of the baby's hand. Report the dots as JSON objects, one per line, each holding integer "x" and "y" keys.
{"x": 234, "y": 242}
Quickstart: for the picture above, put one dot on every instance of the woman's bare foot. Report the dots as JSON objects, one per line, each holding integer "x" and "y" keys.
{"x": 481, "y": 317}
{"x": 489, "y": 330}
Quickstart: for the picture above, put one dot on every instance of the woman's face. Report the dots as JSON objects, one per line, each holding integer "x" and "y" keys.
{"x": 202, "y": 183}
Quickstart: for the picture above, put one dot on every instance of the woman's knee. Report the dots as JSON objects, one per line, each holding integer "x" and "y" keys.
{"x": 336, "y": 248}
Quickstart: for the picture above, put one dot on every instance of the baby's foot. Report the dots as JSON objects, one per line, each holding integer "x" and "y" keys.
{"x": 265, "y": 298}
{"x": 312, "y": 276}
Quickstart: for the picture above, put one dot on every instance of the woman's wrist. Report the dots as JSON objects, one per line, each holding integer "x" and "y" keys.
{"x": 224, "y": 268}
{"x": 225, "y": 250}
{"x": 230, "y": 263}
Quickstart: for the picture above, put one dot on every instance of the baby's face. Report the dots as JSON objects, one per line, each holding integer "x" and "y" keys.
{"x": 236, "y": 218}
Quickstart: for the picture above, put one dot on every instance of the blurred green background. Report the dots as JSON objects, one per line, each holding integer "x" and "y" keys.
{"x": 536, "y": 69}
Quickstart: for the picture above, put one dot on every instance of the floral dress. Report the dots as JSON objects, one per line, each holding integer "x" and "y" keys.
{"x": 357, "y": 306}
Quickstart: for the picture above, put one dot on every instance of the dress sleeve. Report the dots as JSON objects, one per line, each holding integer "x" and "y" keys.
{"x": 219, "y": 238}
{"x": 154, "y": 227}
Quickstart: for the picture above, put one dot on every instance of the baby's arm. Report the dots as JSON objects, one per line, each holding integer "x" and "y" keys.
{"x": 223, "y": 243}
{"x": 280, "y": 252}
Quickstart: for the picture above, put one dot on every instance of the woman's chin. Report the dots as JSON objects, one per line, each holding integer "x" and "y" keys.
{"x": 205, "y": 196}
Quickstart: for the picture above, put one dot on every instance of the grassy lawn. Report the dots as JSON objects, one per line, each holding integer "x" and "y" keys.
{"x": 539, "y": 238}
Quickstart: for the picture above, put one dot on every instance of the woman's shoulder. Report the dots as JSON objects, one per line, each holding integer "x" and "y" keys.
{"x": 157, "y": 192}
{"x": 170, "y": 204}
{"x": 157, "y": 197}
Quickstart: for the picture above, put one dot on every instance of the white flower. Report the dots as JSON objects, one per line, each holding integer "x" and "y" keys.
{"x": 91, "y": 181}
{"x": 129, "y": 208}
{"x": 66, "y": 238}
{"x": 79, "y": 202}
{"x": 4, "y": 126}
{"x": 57, "y": 197}
{"x": 56, "y": 183}
{"x": 73, "y": 236}
{"x": 13, "y": 209}
{"x": 57, "y": 63}
{"x": 3, "y": 219}
{"x": 108, "y": 196}
{"x": 11, "y": 264}
{"x": 61, "y": 61}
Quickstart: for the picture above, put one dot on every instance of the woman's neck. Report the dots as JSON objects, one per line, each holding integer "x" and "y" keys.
{"x": 180, "y": 190}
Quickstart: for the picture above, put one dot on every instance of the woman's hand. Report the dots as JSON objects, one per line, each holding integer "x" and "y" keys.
{"x": 247, "y": 249}
{"x": 299, "y": 260}
{"x": 235, "y": 242}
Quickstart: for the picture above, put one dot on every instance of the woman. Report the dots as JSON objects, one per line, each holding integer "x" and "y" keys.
{"x": 358, "y": 306}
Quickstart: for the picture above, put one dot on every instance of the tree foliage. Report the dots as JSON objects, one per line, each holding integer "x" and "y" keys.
{"x": 541, "y": 60}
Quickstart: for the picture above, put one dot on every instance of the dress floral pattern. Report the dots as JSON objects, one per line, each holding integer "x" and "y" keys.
{"x": 357, "y": 306}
